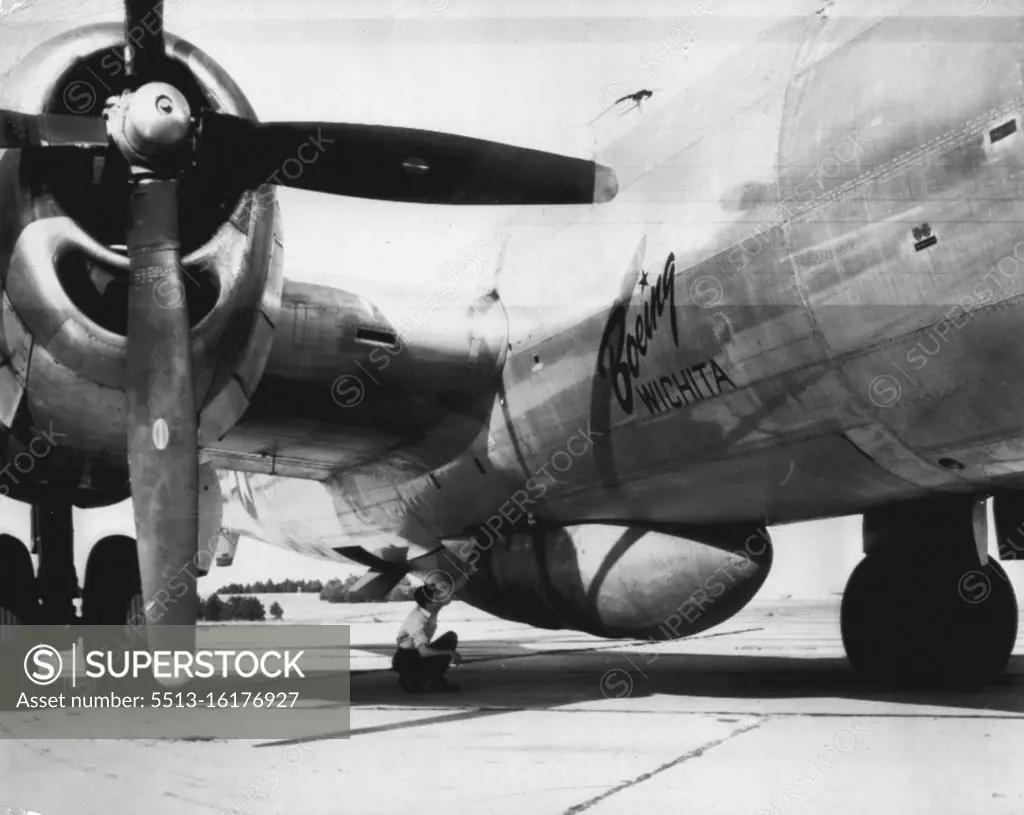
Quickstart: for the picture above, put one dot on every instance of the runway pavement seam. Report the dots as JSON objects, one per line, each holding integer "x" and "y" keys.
{"x": 687, "y": 756}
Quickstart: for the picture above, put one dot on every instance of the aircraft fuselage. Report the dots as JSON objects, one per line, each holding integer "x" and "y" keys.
{"x": 804, "y": 302}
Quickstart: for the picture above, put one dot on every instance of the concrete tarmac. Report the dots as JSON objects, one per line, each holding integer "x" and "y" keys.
{"x": 760, "y": 715}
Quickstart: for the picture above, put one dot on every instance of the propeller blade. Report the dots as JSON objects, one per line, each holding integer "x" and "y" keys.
{"x": 144, "y": 37}
{"x": 162, "y": 430}
{"x": 396, "y": 164}
{"x": 52, "y": 130}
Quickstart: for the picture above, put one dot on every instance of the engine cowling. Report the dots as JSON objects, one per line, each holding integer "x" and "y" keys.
{"x": 615, "y": 581}
{"x": 65, "y": 266}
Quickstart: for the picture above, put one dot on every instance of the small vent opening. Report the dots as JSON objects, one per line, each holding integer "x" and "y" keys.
{"x": 376, "y": 337}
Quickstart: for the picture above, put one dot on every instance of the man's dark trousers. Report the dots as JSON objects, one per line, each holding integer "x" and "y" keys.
{"x": 414, "y": 670}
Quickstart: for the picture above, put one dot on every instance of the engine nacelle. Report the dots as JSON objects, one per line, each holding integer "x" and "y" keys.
{"x": 615, "y": 581}
{"x": 64, "y": 265}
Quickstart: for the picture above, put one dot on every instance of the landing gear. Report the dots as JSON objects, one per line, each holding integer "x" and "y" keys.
{"x": 19, "y": 600}
{"x": 926, "y": 620}
{"x": 54, "y": 536}
{"x": 113, "y": 587}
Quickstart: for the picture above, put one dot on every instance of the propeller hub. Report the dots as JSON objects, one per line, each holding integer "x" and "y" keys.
{"x": 155, "y": 121}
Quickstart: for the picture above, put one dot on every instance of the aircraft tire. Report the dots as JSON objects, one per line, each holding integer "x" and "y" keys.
{"x": 19, "y": 599}
{"x": 908, "y": 620}
{"x": 112, "y": 594}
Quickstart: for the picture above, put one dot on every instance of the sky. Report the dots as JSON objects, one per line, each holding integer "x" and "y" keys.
{"x": 528, "y": 72}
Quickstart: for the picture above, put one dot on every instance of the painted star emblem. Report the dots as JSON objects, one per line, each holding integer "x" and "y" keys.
{"x": 643, "y": 282}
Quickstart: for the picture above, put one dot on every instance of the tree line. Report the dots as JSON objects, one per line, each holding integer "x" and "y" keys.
{"x": 270, "y": 587}
{"x": 213, "y": 609}
{"x": 336, "y": 590}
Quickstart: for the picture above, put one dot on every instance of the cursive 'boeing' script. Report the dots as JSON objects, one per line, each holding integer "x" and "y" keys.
{"x": 621, "y": 353}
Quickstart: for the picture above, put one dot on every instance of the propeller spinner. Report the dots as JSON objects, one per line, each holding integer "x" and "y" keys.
{"x": 150, "y": 124}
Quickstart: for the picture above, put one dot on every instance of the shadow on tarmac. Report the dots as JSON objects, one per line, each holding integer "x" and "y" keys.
{"x": 505, "y": 677}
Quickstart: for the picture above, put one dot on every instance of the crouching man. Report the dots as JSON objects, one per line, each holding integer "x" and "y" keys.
{"x": 418, "y": 661}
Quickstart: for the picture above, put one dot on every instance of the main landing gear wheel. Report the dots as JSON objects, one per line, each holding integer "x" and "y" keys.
{"x": 113, "y": 588}
{"x": 19, "y": 599}
{"x": 925, "y": 621}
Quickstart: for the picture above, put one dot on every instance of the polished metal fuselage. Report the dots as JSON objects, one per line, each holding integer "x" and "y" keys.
{"x": 804, "y": 302}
